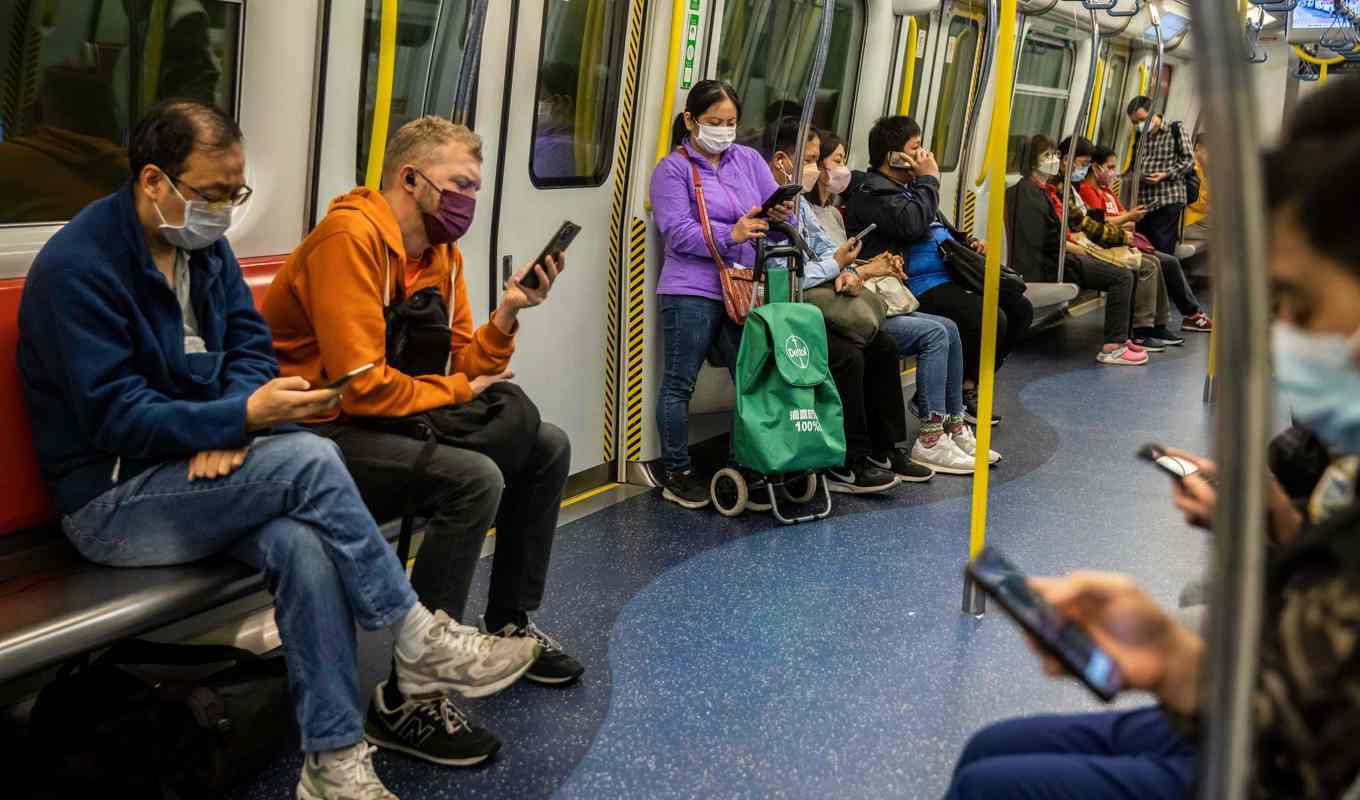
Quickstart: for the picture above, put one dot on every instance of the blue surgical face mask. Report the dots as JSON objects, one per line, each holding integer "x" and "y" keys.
{"x": 1079, "y": 173}
{"x": 1316, "y": 377}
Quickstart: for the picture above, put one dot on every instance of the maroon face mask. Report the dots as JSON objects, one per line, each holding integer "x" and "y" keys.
{"x": 451, "y": 219}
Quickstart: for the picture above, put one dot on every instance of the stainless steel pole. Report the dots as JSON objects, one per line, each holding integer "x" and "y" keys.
{"x": 1077, "y": 131}
{"x": 1155, "y": 92}
{"x": 814, "y": 81}
{"x": 472, "y": 58}
{"x": 1238, "y": 254}
{"x": 975, "y": 111}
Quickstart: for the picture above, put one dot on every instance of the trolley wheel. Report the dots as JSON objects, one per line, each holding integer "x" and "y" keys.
{"x": 729, "y": 492}
{"x": 808, "y": 491}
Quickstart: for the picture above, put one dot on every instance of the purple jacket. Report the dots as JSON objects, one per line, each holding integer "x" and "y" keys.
{"x": 741, "y": 180}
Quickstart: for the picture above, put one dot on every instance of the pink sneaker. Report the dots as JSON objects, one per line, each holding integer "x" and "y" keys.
{"x": 1130, "y": 344}
{"x": 1121, "y": 357}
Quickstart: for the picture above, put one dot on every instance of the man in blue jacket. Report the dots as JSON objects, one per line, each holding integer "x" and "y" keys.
{"x": 151, "y": 382}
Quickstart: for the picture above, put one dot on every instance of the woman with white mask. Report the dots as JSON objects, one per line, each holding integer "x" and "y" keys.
{"x": 1307, "y": 696}
{"x": 734, "y": 180}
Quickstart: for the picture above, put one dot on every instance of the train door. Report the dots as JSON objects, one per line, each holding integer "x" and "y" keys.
{"x": 957, "y": 58}
{"x": 911, "y": 65}
{"x": 569, "y": 71}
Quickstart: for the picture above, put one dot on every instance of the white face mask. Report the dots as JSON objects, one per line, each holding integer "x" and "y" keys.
{"x": 203, "y": 224}
{"x": 716, "y": 138}
{"x": 810, "y": 176}
{"x": 838, "y": 179}
{"x": 1048, "y": 167}
{"x": 1143, "y": 126}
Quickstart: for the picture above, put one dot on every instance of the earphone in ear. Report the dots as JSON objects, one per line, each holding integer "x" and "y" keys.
{"x": 411, "y": 178}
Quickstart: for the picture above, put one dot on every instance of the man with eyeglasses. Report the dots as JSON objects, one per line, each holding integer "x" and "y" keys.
{"x": 162, "y": 431}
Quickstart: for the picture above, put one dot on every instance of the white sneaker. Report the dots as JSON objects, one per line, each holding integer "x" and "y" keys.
{"x": 943, "y": 456}
{"x": 459, "y": 658}
{"x": 348, "y": 776}
{"x": 967, "y": 442}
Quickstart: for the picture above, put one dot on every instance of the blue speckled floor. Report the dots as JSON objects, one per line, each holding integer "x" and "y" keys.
{"x": 727, "y": 659}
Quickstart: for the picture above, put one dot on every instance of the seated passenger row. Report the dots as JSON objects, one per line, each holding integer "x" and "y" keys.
{"x": 167, "y": 436}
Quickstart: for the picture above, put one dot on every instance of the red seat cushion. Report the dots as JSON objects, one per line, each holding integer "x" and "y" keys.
{"x": 24, "y": 502}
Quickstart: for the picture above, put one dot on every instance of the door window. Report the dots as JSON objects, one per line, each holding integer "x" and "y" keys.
{"x": 580, "y": 63}
{"x": 85, "y": 72}
{"x": 1041, "y": 95}
{"x": 956, "y": 91}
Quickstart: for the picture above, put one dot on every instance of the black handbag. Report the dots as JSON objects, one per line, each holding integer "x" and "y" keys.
{"x": 968, "y": 268}
{"x": 501, "y": 423}
{"x": 165, "y": 721}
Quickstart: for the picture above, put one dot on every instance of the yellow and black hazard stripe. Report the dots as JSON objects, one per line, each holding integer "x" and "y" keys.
{"x": 969, "y": 211}
{"x": 637, "y": 282}
{"x": 623, "y": 249}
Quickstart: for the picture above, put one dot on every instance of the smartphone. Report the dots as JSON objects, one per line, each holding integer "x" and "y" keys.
{"x": 1178, "y": 468}
{"x": 899, "y": 159}
{"x": 860, "y": 236}
{"x": 781, "y": 195}
{"x": 339, "y": 383}
{"x": 1059, "y": 636}
{"x": 556, "y": 246}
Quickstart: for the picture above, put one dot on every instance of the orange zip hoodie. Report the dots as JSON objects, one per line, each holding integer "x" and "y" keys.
{"x": 326, "y": 307}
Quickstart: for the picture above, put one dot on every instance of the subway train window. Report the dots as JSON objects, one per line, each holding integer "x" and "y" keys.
{"x": 1041, "y": 88}
{"x": 922, "y": 36}
{"x": 956, "y": 88}
{"x": 579, "y": 64}
{"x": 767, "y": 51}
{"x": 88, "y": 69}
{"x": 429, "y": 51}
{"x": 1112, "y": 102}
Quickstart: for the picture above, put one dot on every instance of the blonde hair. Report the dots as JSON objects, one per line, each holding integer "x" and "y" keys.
{"x": 414, "y": 142}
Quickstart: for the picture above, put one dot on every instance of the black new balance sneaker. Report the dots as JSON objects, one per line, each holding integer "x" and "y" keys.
{"x": 433, "y": 729}
{"x": 684, "y": 489}
{"x": 553, "y": 666}
{"x": 970, "y": 407}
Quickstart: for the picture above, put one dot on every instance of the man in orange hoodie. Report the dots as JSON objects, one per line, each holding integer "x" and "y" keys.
{"x": 327, "y": 310}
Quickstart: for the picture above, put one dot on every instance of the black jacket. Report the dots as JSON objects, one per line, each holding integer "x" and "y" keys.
{"x": 903, "y": 213}
{"x": 1033, "y": 232}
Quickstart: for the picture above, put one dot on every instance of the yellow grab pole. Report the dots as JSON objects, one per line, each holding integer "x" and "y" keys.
{"x": 1321, "y": 63}
{"x": 1093, "y": 118}
{"x": 908, "y": 69}
{"x": 996, "y": 232}
{"x": 1133, "y": 132}
{"x": 663, "y": 139}
{"x": 382, "y": 103}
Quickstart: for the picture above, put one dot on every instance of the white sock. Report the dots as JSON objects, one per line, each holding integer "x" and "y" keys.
{"x": 410, "y": 632}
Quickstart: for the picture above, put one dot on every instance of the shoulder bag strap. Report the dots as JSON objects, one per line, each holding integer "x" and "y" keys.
{"x": 703, "y": 210}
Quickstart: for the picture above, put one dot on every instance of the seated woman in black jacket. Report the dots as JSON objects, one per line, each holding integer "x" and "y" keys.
{"x": 1033, "y": 230}
{"x": 901, "y": 195}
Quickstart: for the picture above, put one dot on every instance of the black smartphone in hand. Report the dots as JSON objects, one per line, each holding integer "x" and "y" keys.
{"x": 1055, "y": 633}
{"x": 781, "y": 196}
{"x": 556, "y": 246}
{"x": 1178, "y": 468}
{"x": 339, "y": 383}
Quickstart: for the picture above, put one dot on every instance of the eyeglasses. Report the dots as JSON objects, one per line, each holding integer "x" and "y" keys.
{"x": 237, "y": 198}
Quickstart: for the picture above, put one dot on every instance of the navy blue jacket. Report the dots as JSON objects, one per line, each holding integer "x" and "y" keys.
{"x": 101, "y": 354}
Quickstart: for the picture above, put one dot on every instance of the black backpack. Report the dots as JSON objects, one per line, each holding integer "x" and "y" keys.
{"x": 1191, "y": 177}
{"x": 161, "y": 721}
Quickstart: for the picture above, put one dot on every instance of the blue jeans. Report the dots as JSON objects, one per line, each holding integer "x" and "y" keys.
{"x": 293, "y": 511}
{"x": 939, "y": 361}
{"x": 693, "y": 326}
{"x": 1121, "y": 754}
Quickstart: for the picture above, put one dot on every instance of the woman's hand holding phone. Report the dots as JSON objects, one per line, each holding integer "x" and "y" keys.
{"x": 1152, "y": 651}
{"x": 750, "y": 226}
{"x": 1196, "y": 496}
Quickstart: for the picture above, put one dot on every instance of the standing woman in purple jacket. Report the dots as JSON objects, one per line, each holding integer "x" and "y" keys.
{"x": 736, "y": 181}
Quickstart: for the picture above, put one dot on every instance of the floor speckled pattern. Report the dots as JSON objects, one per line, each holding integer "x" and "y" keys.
{"x": 727, "y": 659}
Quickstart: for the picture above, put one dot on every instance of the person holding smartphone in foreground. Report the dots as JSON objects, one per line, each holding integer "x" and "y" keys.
{"x": 1307, "y": 696}
{"x": 381, "y": 280}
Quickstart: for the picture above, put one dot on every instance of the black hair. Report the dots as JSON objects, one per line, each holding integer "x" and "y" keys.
{"x": 889, "y": 134}
{"x": 1102, "y": 153}
{"x": 1320, "y": 151}
{"x": 1141, "y": 101}
{"x": 173, "y": 129}
{"x": 783, "y": 109}
{"x": 702, "y": 97}
{"x": 784, "y": 137}
{"x": 558, "y": 79}
{"x": 830, "y": 141}
{"x": 1084, "y": 148}
{"x": 1037, "y": 146}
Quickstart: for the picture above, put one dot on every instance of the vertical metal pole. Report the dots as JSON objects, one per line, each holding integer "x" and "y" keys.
{"x": 814, "y": 81}
{"x": 997, "y": 140}
{"x": 472, "y": 59}
{"x": 1072, "y": 141}
{"x": 1237, "y": 253}
{"x": 975, "y": 111}
{"x": 1154, "y": 94}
